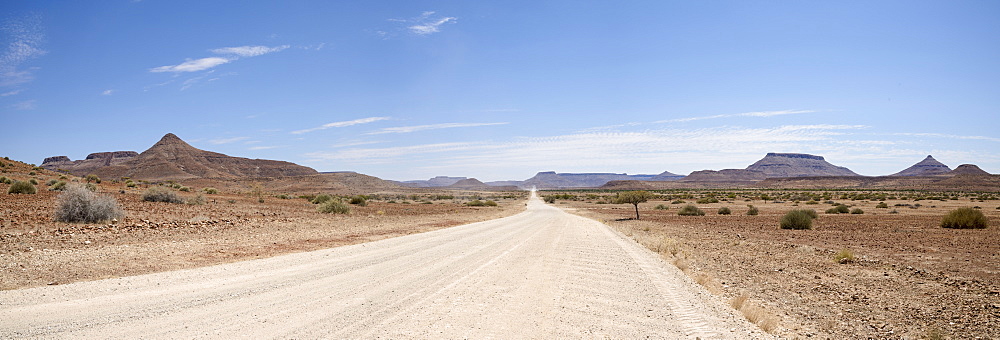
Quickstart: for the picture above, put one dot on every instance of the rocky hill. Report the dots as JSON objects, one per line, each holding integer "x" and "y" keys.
{"x": 439, "y": 181}
{"x": 968, "y": 169}
{"x": 927, "y": 167}
{"x": 87, "y": 166}
{"x": 173, "y": 159}
{"x": 553, "y": 180}
{"x": 797, "y": 165}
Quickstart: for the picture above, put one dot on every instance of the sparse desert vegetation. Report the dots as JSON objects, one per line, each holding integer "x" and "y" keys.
{"x": 818, "y": 283}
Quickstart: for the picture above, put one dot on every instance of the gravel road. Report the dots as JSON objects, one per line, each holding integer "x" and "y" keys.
{"x": 543, "y": 273}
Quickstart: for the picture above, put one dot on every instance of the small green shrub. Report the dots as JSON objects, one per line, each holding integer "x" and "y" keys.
{"x": 678, "y": 202}
{"x": 752, "y": 211}
{"x": 857, "y": 211}
{"x": 661, "y": 207}
{"x": 839, "y": 209}
{"x": 358, "y": 200}
{"x": 844, "y": 256}
{"x": 811, "y": 213}
{"x": 157, "y": 194}
{"x": 31, "y": 173}
{"x": 3, "y": 179}
{"x": 796, "y": 219}
{"x": 78, "y": 205}
{"x": 33, "y": 181}
{"x": 91, "y": 187}
{"x": 130, "y": 184}
{"x": 184, "y": 189}
{"x": 882, "y": 205}
{"x": 92, "y": 178}
{"x": 490, "y": 203}
{"x": 58, "y": 186}
{"x": 707, "y": 200}
{"x": 725, "y": 211}
{"x": 690, "y": 210}
{"x": 964, "y": 218}
{"x": 321, "y": 198}
{"x": 475, "y": 203}
{"x": 549, "y": 199}
{"x": 283, "y": 196}
{"x": 210, "y": 191}
{"x": 333, "y": 206}
{"x": 21, "y": 187}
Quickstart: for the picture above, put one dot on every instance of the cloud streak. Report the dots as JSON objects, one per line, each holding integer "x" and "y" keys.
{"x": 26, "y": 37}
{"x": 735, "y": 115}
{"x": 427, "y": 25}
{"x": 408, "y": 129}
{"x": 227, "y": 140}
{"x": 341, "y": 124}
{"x": 234, "y": 53}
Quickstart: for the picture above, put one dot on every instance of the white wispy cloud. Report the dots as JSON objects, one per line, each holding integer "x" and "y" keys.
{"x": 263, "y": 147}
{"x": 25, "y": 35}
{"x": 428, "y": 25}
{"x": 408, "y": 129}
{"x": 192, "y": 65}
{"x": 734, "y": 115}
{"x": 249, "y": 51}
{"x": 942, "y": 135}
{"x": 227, "y": 140}
{"x": 341, "y": 124}
{"x": 10, "y": 93}
{"x": 108, "y": 92}
{"x": 25, "y": 105}
{"x": 195, "y": 65}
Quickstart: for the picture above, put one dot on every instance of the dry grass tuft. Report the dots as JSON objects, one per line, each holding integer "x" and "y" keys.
{"x": 709, "y": 282}
{"x": 738, "y": 301}
{"x": 844, "y": 256}
{"x": 760, "y": 316}
{"x": 682, "y": 264}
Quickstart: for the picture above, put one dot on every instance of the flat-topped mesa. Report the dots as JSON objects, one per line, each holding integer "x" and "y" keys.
{"x": 795, "y": 155}
{"x": 797, "y": 165}
{"x": 112, "y": 154}
{"x": 56, "y": 159}
{"x": 969, "y": 169}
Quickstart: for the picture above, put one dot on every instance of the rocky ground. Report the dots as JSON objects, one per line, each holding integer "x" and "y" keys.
{"x": 910, "y": 279}
{"x": 228, "y": 227}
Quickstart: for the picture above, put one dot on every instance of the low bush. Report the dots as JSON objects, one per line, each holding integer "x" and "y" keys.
{"x": 549, "y": 199}
{"x": 196, "y": 200}
{"x": 58, "y": 186}
{"x": 92, "y": 178}
{"x": 184, "y": 189}
{"x": 752, "y": 211}
{"x": 882, "y": 205}
{"x": 475, "y": 203}
{"x": 796, "y": 219}
{"x": 690, "y": 210}
{"x": 678, "y": 202}
{"x": 130, "y": 184}
{"x": 157, "y": 194}
{"x": 661, "y": 207}
{"x": 21, "y": 187}
{"x": 333, "y": 206}
{"x": 857, "y": 211}
{"x": 210, "y": 191}
{"x": 490, "y": 203}
{"x": 964, "y": 218}
{"x": 358, "y": 200}
{"x": 78, "y": 205}
{"x": 844, "y": 256}
{"x": 725, "y": 211}
{"x": 283, "y": 196}
{"x": 91, "y": 187}
{"x": 321, "y": 198}
{"x": 839, "y": 209}
{"x": 811, "y": 213}
{"x": 707, "y": 200}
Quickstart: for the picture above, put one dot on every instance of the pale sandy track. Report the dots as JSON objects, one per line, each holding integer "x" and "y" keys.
{"x": 543, "y": 273}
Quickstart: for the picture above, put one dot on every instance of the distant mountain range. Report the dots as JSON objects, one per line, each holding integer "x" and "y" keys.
{"x": 173, "y": 159}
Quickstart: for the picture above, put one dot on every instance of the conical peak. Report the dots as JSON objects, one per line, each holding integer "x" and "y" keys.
{"x": 170, "y": 139}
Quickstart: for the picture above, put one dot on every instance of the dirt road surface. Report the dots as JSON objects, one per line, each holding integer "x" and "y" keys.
{"x": 543, "y": 273}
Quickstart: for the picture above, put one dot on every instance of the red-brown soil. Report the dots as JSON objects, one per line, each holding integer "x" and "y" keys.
{"x": 231, "y": 226}
{"x": 912, "y": 279}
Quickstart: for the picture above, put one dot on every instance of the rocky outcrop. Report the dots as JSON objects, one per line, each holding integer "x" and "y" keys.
{"x": 797, "y": 165}
{"x": 553, "y": 180}
{"x": 726, "y": 175}
{"x": 968, "y": 170}
{"x": 439, "y": 181}
{"x": 927, "y": 167}
{"x": 173, "y": 159}
{"x": 91, "y": 164}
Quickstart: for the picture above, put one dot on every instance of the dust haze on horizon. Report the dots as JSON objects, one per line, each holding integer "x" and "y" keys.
{"x": 410, "y": 90}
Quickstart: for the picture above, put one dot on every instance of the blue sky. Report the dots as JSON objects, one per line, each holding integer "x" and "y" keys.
{"x": 501, "y": 90}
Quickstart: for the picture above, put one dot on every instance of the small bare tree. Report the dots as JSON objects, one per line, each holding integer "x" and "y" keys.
{"x": 634, "y": 198}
